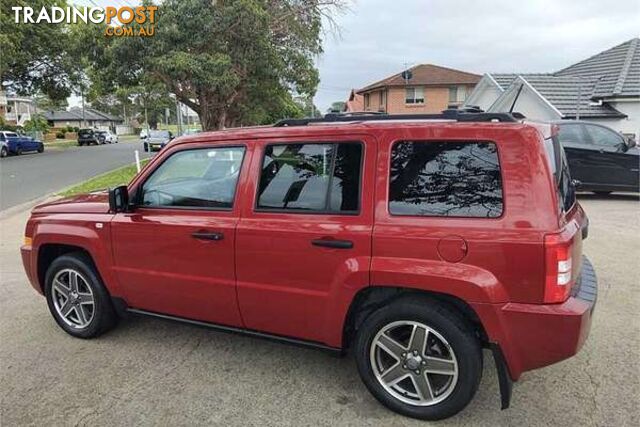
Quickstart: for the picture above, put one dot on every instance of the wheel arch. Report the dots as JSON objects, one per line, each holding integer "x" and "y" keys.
{"x": 369, "y": 299}
{"x": 48, "y": 252}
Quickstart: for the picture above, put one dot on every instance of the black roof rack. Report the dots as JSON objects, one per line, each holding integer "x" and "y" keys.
{"x": 461, "y": 115}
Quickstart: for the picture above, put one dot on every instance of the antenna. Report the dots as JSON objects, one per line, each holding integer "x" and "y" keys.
{"x": 516, "y": 98}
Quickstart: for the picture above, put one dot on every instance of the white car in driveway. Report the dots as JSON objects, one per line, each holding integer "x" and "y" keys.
{"x": 106, "y": 137}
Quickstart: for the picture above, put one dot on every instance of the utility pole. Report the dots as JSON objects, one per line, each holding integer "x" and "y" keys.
{"x": 179, "y": 116}
{"x": 579, "y": 97}
{"x": 84, "y": 121}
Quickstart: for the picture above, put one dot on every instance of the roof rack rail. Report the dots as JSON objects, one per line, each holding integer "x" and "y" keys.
{"x": 462, "y": 115}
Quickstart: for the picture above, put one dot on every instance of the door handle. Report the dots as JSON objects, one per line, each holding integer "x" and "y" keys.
{"x": 335, "y": 244}
{"x": 207, "y": 235}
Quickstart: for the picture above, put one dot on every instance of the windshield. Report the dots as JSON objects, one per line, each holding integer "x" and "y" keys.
{"x": 159, "y": 134}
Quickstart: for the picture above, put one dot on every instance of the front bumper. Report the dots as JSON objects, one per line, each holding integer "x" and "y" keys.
{"x": 536, "y": 335}
{"x": 30, "y": 267}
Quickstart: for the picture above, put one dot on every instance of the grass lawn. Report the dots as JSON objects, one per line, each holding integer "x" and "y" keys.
{"x": 120, "y": 176}
{"x": 61, "y": 143}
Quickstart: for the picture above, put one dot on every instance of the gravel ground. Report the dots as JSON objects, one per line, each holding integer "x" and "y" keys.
{"x": 154, "y": 372}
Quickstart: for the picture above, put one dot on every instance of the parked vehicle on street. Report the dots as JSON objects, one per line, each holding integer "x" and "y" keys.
{"x": 414, "y": 241}
{"x": 600, "y": 158}
{"x": 157, "y": 139}
{"x": 4, "y": 149}
{"x": 88, "y": 137}
{"x": 13, "y": 143}
{"x": 106, "y": 137}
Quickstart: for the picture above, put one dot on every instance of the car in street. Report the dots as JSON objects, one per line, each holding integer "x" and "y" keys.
{"x": 106, "y": 137}
{"x": 601, "y": 159}
{"x": 413, "y": 241}
{"x": 14, "y": 143}
{"x": 88, "y": 137}
{"x": 4, "y": 148}
{"x": 157, "y": 139}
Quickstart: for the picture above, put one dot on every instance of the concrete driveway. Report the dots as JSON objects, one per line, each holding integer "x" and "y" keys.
{"x": 149, "y": 371}
{"x": 33, "y": 175}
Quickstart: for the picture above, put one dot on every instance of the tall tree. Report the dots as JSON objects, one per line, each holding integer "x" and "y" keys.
{"x": 35, "y": 57}
{"x": 232, "y": 62}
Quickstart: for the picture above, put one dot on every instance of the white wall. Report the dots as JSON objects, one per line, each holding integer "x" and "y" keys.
{"x": 632, "y": 123}
{"x": 528, "y": 103}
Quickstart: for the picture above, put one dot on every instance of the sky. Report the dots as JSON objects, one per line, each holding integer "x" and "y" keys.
{"x": 378, "y": 37}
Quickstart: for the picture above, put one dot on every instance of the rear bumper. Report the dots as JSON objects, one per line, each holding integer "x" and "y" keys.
{"x": 536, "y": 335}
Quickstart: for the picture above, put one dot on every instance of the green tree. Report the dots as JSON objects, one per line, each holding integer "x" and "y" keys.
{"x": 336, "y": 107}
{"x": 232, "y": 62}
{"x": 35, "y": 57}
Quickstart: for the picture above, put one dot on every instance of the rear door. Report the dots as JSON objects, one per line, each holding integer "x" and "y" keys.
{"x": 304, "y": 242}
{"x": 174, "y": 253}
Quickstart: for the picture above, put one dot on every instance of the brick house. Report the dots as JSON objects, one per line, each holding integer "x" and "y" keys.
{"x": 425, "y": 88}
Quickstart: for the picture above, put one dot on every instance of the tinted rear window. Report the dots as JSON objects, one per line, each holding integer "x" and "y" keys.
{"x": 445, "y": 179}
{"x": 313, "y": 177}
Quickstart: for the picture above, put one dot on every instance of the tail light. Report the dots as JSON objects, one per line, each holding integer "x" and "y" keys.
{"x": 559, "y": 265}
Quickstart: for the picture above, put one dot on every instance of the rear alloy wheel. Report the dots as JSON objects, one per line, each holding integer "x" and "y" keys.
{"x": 19, "y": 151}
{"x": 77, "y": 299}
{"x": 4, "y": 152}
{"x": 419, "y": 358}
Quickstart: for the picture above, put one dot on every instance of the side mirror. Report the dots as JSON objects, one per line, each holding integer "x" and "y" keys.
{"x": 119, "y": 199}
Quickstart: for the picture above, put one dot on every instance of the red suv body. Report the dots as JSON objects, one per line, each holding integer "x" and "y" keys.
{"x": 320, "y": 234}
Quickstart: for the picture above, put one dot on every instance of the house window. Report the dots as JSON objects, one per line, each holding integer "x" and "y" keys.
{"x": 366, "y": 101}
{"x": 457, "y": 94}
{"x": 414, "y": 95}
{"x": 382, "y": 98}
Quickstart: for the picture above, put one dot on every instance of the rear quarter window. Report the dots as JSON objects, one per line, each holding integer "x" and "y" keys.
{"x": 438, "y": 178}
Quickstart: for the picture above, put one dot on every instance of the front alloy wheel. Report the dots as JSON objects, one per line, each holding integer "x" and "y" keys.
{"x": 77, "y": 298}
{"x": 73, "y": 298}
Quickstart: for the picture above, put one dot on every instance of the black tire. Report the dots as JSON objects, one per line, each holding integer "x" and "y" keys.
{"x": 80, "y": 144}
{"x": 41, "y": 148}
{"x": 4, "y": 152}
{"x": 104, "y": 316}
{"x": 448, "y": 324}
{"x": 18, "y": 151}
{"x": 146, "y": 147}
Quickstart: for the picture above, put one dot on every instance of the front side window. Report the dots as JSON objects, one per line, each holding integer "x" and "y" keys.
{"x": 445, "y": 179}
{"x": 313, "y": 177}
{"x": 414, "y": 95}
{"x": 605, "y": 137}
{"x": 202, "y": 178}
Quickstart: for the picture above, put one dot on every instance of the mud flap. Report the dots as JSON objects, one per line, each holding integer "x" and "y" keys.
{"x": 504, "y": 379}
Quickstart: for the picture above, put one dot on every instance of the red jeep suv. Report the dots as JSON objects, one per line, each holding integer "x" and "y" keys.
{"x": 413, "y": 241}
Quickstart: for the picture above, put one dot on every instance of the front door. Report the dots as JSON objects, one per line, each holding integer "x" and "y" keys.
{"x": 174, "y": 253}
{"x": 618, "y": 163}
{"x": 304, "y": 244}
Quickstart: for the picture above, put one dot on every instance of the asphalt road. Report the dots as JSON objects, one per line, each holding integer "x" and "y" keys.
{"x": 153, "y": 372}
{"x": 32, "y": 175}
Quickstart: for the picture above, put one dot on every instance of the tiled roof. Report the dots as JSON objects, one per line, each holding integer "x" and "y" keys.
{"x": 427, "y": 75}
{"x": 563, "y": 93}
{"x": 75, "y": 114}
{"x": 617, "y": 70}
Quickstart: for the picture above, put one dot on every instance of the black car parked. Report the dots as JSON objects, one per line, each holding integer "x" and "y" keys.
{"x": 600, "y": 158}
{"x": 87, "y": 137}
